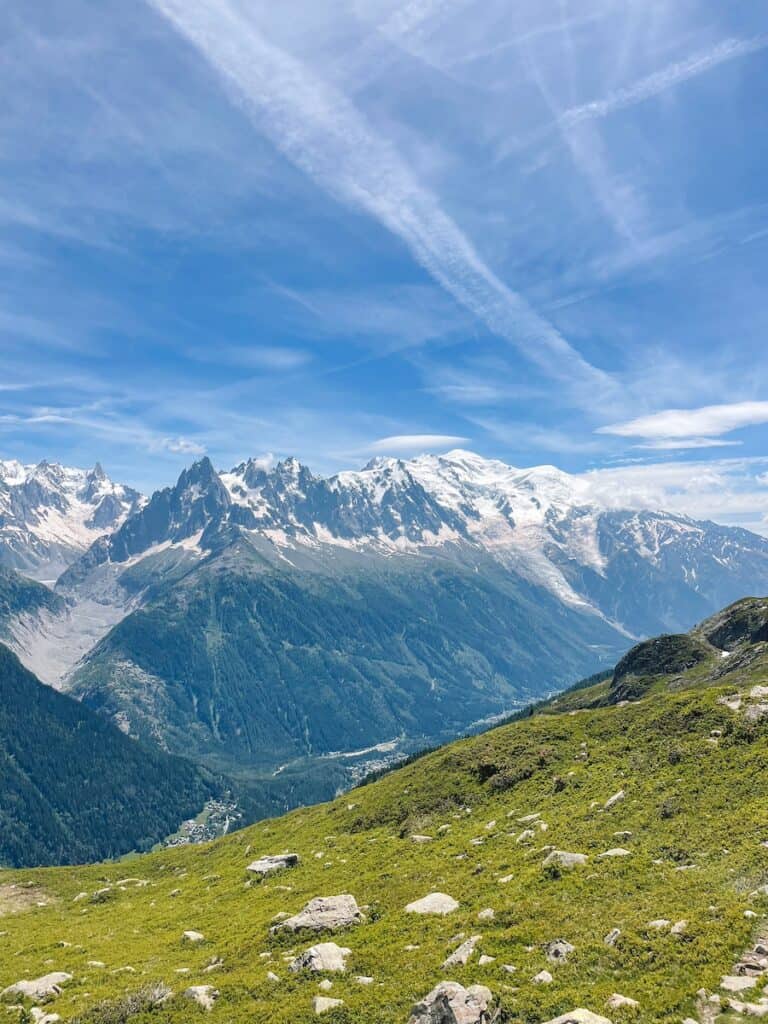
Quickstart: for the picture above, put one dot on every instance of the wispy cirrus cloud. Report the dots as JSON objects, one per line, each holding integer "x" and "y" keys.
{"x": 690, "y": 428}
{"x": 666, "y": 78}
{"x": 318, "y": 129}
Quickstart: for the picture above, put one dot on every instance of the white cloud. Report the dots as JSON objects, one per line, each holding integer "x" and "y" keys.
{"x": 729, "y": 491}
{"x": 691, "y": 428}
{"x": 665, "y": 78}
{"x": 182, "y": 446}
{"x": 318, "y": 129}
{"x": 415, "y": 442}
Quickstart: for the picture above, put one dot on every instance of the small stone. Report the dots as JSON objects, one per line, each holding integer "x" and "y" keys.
{"x": 505, "y": 879}
{"x": 364, "y": 979}
{"x": 461, "y": 956}
{"x": 325, "y": 956}
{"x": 612, "y": 936}
{"x": 274, "y": 862}
{"x": 325, "y": 985}
{"x": 322, "y": 1004}
{"x": 678, "y": 927}
{"x": 203, "y": 995}
{"x": 559, "y": 950}
{"x": 191, "y": 936}
{"x": 271, "y": 976}
{"x": 564, "y": 859}
{"x": 543, "y": 978}
{"x": 617, "y": 851}
{"x": 486, "y": 915}
{"x": 421, "y": 839}
{"x": 434, "y": 903}
{"x": 617, "y": 1002}
{"x": 659, "y": 923}
{"x": 485, "y": 960}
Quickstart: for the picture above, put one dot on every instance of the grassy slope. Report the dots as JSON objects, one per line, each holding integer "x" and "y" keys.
{"x": 688, "y": 800}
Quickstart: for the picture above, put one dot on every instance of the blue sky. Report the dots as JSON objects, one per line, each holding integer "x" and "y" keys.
{"x": 537, "y": 230}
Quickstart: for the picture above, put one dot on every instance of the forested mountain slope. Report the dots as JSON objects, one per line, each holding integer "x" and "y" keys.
{"x": 73, "y": 787}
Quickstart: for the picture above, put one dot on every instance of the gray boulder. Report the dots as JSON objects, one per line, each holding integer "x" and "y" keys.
{"x": 451, "y": 1003}
{"x": 324, "y": 913}
{"x": 38, "y": 989}
{"x": 275, "y": 862}
{"x": 325, "y": 956}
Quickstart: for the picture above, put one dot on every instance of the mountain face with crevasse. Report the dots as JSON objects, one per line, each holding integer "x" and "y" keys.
{"x": 50, "y": 514}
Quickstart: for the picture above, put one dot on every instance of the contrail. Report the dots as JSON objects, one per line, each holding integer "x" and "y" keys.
{"x": 321, "y": 132}
{"x": 664, "y": 79}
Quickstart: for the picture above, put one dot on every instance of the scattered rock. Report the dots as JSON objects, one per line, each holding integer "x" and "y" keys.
{"x": 617, "y": 851}
{"x": 451, "y": 1003}
{"x": 564, "y": 859}
{"x": 324, "y": 913}
{"x": 41, "y": 1017}
{"x": 274, "y": 862}
{"x": 678, "y": 927}
{"x": 434, "y": 903}
{"x": 736, "y": 982}
{"x": 325, "y": 956}
{"x": 364, "y": 979}
{"x": 191, "y": 936}
{"x": 505, "y": 879}
{"x": 543, "y": 978}
{"x": 486, "y": 915}
{"x": 461, "y": 956}
{"x": 579, "y": 1016}
{"x": 421, "y": 839}
{"x": 322, "y": 1004}
{"x": 271, "y": 976}
{"x": 39, "y": 989}
{"x": 659, "y": 923}
{"x": 559, "y": 950}
{"x": 485, "y": 960}
{"x": 325, "y": 985}
{"x": 612, "y": 936}
{"x": 203, "y": 995}
{"x": 613, "y": 800}
{"x": 617, "y": 1002}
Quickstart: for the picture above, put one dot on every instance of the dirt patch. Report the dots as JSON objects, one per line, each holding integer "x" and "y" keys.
{"x": 15, "y": 898}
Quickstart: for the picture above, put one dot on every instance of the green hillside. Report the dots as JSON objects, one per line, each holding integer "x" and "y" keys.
{"x": 690, "y": 897}
{"x": 73, "y": 787}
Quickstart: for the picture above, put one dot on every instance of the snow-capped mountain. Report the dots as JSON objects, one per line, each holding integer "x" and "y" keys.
{"x": 264, "y": 614}
{"x": 642, "y": 571}
{"x": 50, "y": 514}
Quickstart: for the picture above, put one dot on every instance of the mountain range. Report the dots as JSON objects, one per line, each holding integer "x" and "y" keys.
{"x": 294, "y": 629}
